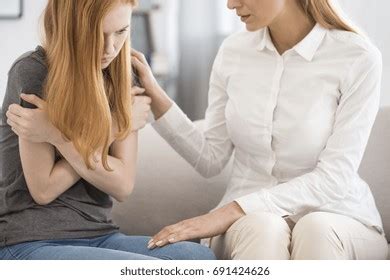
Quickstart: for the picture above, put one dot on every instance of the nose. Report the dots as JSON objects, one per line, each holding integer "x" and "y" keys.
{"x": 109, "y": 47}
{"x": 233, "y": 4}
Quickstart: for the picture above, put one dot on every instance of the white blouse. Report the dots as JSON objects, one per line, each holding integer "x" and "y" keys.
{"x": 298, "y": 124}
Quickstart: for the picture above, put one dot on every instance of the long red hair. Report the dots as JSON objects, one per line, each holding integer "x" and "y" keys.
{"x": 82, "y": 100}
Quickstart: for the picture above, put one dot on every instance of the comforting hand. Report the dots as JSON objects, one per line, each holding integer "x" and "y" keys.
{"x": 160, "y": 100}
{"x": 32, "y": 124}
{"x": 145, "y": 74}
{"x": 211, "y": 224}
{"x": 141, "y": 108}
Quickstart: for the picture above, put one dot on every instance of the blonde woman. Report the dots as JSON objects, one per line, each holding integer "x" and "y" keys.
{"x": 295, "y": 99}
{"x": 56, "y": 185}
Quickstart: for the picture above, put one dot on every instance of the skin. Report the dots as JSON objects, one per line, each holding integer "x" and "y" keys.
{"x": 116, "y": 26}
{"x": 286, "y": 20}
{"x": 48, "y": 179}
{"x": 288, "y": 24}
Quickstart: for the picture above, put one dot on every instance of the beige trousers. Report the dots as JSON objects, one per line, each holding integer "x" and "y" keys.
{"x": 318, "y": 235}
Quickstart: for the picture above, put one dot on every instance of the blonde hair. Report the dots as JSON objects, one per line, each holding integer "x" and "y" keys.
{"x": 82, "y": 100}
{"x": 323, "y": 12}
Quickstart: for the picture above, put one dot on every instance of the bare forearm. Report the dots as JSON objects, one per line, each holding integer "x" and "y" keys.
{"x": 61, "y": 178}
{"x": 115, "y": 183}
{"x": 46, "y": 179}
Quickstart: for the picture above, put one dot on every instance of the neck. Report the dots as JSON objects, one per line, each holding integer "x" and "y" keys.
{"x": 290, "y": 27}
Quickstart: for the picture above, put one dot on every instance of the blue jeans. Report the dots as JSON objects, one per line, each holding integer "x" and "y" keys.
{"x": 115, "y": 246}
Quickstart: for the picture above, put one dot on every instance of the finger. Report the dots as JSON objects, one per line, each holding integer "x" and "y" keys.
{"x": 16, "y": 131}
{"x": 137, "y": 91}
{"x": 142, "y": 68}
{"x": 33, "y": 99}
{"x": 18, "y": 110}
{"x": 13, "y": 117}
{"x": 157, "y": 239}
{"x": 12, "y": 124}
{"x": 162, "y": 238}
{"x": 180, "y": 236}
{"x": 140, "y": 56}
{"x": 143, "y": 99}
{"x": 138, "y": 65}
{"x": 147, "y": 100}
{"x": 16, "y": 121}
{"x": 161, "y": 243}
{"x": 173, "y": 238}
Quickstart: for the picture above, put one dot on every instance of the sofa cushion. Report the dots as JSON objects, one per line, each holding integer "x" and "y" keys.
{"x": 375, "y": 165}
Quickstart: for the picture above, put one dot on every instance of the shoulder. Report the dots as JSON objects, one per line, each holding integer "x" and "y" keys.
{"x": 363, "y": 60}
{"x": 30, "y": 67}
{"x": 241, "y": 40}
{"x": 27, "y": 74}
{"x": 357, "y": 45}
{"x": 235, "y": 46}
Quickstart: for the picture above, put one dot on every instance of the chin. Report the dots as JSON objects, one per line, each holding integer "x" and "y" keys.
{"x": 104, "y": 66}
{"x": 252, "y": 27}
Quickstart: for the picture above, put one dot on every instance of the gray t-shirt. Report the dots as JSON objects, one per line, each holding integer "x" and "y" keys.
{"x": 82, "y": 211}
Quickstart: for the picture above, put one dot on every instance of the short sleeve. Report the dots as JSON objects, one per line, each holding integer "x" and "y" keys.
{"x": 27, "y": 75}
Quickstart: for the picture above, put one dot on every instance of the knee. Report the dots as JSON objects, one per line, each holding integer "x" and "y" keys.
{"x": 258, "y": 236}
{"x": 264, "y": 223}
{"x": 312, "y": 226}
{"x": 186, "y": 250}
{"x": 314, "y": 237}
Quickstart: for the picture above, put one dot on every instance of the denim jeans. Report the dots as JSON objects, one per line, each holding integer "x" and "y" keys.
{"x": 115, "y": 246}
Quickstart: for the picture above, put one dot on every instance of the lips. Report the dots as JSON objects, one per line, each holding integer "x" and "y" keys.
{"x": 244, "y": 18}
{"x": 106, "y": 59}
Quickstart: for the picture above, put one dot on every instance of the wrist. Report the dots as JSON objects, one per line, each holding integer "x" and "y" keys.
{"x": 233, "y": 211}
{"x": 56, "y": 138}
{"x": 236, "y": 210}
{"x": 161, "y": 103}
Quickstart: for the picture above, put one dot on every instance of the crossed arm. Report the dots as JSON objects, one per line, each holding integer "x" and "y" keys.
{"x": 47, "y": 179}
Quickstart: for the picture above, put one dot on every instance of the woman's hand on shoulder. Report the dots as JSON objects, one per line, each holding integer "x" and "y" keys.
{"x": 160, "y": 100}
{"x": 145, "y": 75}
{"x": 140, "y": 108}
{"x": 32, "y": 124}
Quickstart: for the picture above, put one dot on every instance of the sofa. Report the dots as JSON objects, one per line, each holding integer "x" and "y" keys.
{"x": 168, "y": 190}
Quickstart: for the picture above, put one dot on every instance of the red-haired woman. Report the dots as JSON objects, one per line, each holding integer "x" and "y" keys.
{"x": 56, "y": 189}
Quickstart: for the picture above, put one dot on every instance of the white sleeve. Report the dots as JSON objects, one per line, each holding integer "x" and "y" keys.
{"x": 207, "y": 151}
{"x": 338, "y": 163}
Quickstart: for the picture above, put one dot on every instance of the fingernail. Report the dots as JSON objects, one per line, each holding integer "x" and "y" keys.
{"x": 159, "y": 243}
{"x": 150, "y": 241}
{"x": 172, "y": 239}
{"x": 150, "y": 245}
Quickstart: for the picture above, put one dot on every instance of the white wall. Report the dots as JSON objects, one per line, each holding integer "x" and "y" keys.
{"x": 17, "y": 37}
